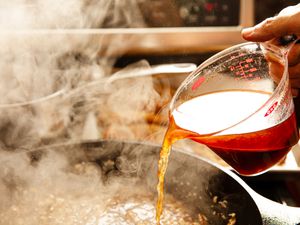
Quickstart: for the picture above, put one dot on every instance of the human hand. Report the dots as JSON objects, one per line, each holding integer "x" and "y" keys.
{"x": 287, "y": 22}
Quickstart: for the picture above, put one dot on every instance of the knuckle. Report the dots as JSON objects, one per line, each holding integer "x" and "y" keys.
{"x": 269, "y": 21}
{"x": 267, "y": 26}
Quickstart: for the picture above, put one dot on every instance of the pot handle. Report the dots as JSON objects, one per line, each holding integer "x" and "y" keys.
{"x": 173, "y": 68}
{"x": 274, "y": 213}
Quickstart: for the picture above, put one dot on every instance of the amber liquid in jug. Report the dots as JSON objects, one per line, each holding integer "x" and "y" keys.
{"x": 248, "y": 153}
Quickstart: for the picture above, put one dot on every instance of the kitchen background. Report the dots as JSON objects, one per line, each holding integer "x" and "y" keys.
{"x": 69, "y": 62}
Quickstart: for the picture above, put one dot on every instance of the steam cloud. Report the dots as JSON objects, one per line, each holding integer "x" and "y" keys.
{"x": 54, "y": 67}
{"x": 53, "y": 191}
{"x": 53, "y": 87}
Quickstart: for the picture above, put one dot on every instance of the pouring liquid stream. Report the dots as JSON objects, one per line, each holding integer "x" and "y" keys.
{"x": 250, "y": 150}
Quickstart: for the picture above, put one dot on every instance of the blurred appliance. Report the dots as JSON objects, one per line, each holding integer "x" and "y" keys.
{"x": 173, "y": 27}
{"x": 176, "y": 26}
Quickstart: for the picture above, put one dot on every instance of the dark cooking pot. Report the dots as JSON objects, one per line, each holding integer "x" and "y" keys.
{"x": 189, "y": 178}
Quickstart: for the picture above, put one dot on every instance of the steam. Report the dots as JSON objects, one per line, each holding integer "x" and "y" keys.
{"x": 52, "y": 191}
{"x": 48, "y": 89}
{"x": 68, "y": 185}
{"x": 54, "y": 70}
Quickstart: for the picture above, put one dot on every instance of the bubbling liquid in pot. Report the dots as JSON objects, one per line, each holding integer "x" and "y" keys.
{"x": 140, "y": 210}
{"x": 84, "y": 200}
{"x": 250, "y": 148}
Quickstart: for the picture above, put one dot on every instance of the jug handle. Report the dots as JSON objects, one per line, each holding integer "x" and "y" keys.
{"x": 287, "y": 39}
{"x": 277, "y": 50}
{"x": 280, "y": 45}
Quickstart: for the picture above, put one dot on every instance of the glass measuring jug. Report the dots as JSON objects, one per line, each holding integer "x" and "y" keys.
{"x": 239, "y": 106}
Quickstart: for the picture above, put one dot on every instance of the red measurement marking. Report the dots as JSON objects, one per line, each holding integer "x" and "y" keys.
{"x": 244, "y": 69}
{"x": 271, "y": 109}
{"x": 252, "y": 70}
{"x": 198, "y": 83}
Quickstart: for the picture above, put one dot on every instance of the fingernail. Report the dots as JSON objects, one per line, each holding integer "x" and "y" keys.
{"x": 246, "y": 32}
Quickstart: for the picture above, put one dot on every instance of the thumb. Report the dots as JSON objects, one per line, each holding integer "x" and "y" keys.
{"x": 287, "y": 22}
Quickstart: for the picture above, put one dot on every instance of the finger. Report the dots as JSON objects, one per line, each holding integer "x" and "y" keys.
{"x": 276, "y": 71}
{"x": 294, "y": 72}
{"x": 294, "y": 75}
{"x": 287, "y": 22}
{"x": 276, "y": 68}
{"x": 294, "y": 55}
{"x": 295, "y": 83}
{"x": 261, "y": 32}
